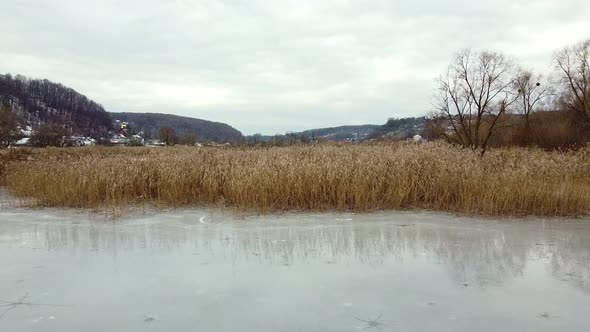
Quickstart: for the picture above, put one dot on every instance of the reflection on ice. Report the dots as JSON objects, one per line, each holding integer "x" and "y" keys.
{"x": 486, "y": 253}
{"x": 350, "y": 271}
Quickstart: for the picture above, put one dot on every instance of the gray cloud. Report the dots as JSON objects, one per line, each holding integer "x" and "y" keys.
{"x": 272, "y": 66}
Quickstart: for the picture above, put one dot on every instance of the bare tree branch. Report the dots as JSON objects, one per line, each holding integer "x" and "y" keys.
{"x": 473, "y": 94}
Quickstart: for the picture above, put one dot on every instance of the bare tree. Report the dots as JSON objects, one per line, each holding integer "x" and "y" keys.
{"x": 49, "y": 134}
{"x": 168, "y": 135}
{"x": 8, "y": 127}
{"x": 531, "y": 90}
{"x": 573, "y": 64}
{"x": 472, "y": 96}
{"x": 187, "y": 139}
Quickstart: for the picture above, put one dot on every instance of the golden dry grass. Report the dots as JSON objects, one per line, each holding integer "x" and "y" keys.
{"x": 437, "y": 176}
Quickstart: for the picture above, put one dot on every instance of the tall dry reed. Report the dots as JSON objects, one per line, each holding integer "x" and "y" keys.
{"x": 436, "y": 176}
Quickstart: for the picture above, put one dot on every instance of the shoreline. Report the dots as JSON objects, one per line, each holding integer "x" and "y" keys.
{"x": 131, "y": 211}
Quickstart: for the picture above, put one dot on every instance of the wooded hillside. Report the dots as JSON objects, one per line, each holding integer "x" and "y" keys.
{"x": 40, "y": 101}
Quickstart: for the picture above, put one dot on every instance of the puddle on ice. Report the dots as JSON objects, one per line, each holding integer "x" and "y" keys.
{"x": 207, "y": 270}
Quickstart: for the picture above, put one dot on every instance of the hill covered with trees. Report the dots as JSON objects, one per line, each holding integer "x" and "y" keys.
{"x": 394, "y": 128}
{"x": 151, "y": 123}
{"x": 340, "y": 132}
{"x": 401, "y": 128}
{"x": 39, "y": 101}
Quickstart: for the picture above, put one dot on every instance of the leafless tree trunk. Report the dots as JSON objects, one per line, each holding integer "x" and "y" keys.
{"x": 531, "y": 90}
{"x": 8, "y": 127}
{"x": 473, "y": 96}
{"x": 573, "y": 63}
{"x": 168, "y": 135}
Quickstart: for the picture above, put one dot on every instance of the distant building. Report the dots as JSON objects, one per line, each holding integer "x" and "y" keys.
{"x": 23, "y": 142}
{"x": 118, "y": 139}
{"x": 79, "y": 141}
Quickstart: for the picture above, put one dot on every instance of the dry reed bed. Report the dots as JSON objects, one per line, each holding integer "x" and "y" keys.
{"x": 361, "y": 178}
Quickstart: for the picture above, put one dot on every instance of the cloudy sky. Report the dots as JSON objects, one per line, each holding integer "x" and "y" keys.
{"x": 273, "y": 66}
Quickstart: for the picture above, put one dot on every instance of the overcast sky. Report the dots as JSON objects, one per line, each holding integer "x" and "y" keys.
{"x": 273, "y": 66}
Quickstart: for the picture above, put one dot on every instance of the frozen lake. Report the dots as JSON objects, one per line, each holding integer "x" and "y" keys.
{"x": 207, "y": 270}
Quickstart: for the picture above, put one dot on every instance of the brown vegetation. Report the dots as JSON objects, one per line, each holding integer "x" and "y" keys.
{"x": 512, "y": 181}
{"x": 549, "y": 130}
{"x": 10, "y": 156}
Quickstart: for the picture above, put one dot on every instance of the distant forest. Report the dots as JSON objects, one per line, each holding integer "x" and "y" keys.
{"x": 339, "y": 133}
{"x": 150, "y": 124}
{"x": 42, "y": 103}
{"x": 394, "y": 128}
{"x": 38, "y": 102}
{"x": 401, "y": 127}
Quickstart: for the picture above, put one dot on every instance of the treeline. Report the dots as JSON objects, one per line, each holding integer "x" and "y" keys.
{"x": 184, "y": 127}
{"x": 400, "y": 128}
{"x": 340, "y": 133}
{"x": 168, "y": 136}
{"x": 395, "y": 129}
{"x": 37, "y": 102}
{"x": 486, "y": 99}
